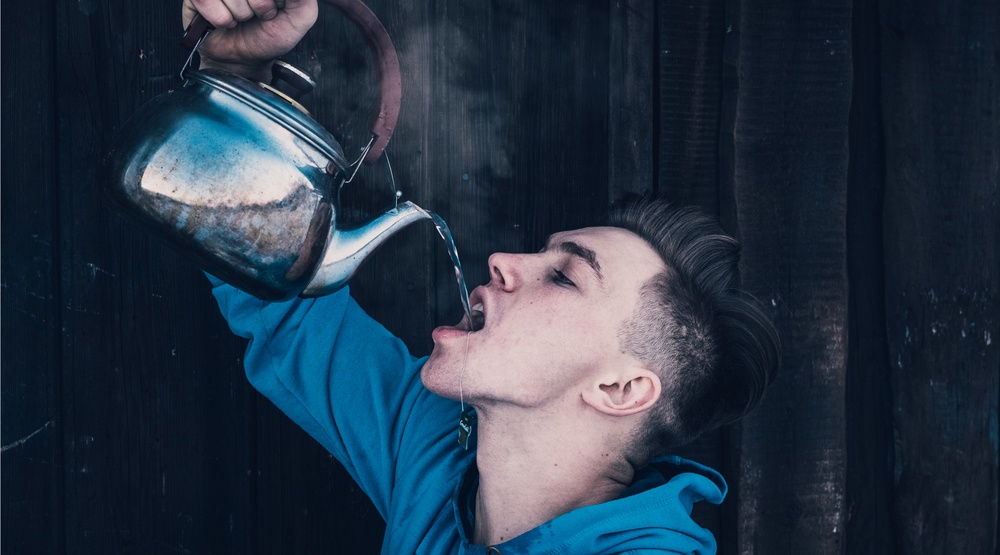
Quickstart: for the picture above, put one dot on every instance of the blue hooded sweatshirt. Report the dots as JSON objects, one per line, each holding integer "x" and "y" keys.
{"x": 356, "y": 389}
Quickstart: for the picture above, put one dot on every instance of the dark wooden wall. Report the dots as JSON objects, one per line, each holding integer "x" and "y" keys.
{"x": 852, "y": 145}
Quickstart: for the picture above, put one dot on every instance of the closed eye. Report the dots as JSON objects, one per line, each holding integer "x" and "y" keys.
{"x": 561, "y": 279}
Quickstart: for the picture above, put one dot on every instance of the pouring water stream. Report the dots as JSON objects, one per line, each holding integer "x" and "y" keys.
{"x": 445, "y": 232}
{"x": 467, "y": 417}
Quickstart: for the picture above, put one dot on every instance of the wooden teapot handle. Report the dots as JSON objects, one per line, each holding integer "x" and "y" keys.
{"x": 195, "y": 31}
{"x": 390, "y": 88}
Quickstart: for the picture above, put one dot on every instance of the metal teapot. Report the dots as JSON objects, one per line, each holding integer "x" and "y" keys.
{"x": 237, "y": 175}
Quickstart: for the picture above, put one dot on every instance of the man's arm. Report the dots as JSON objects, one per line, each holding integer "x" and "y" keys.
{"x": 339, "y": 375}
{"x": 336, "y": 372}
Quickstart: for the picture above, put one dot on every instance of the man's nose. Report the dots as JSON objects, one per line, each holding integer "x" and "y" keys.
{"x": 503, "y": 270}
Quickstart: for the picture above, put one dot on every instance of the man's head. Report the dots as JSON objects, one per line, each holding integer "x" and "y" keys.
{"x": 711, "y": 344}
{"x": 632, "y": 320}
{"x": 550, "y": 326}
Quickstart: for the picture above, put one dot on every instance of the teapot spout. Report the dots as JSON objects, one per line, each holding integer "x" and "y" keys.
{"x": 346, "y": 249}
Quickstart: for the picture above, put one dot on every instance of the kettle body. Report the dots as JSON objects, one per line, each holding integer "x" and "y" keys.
{"x": 233, "y": 174}
{"x": 236, "y": 175}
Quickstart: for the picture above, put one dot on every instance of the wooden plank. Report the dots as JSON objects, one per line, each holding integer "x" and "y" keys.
{"x": 97, "y": 446}
{"x": 304, "y": 501}
{"x": 31, "y": 445}
{"x": 942, "y": 237}
{"x": 789, "y": 178}
{"x": 156, "y": 411}
{"x": 689, "y": 45}
{"x": 691, "y": 40}
{"x": 631, "y": 113}
{"x": 729, "y": 542}
{"x": 729, "y": 102}
{"x": 555, "y": 128}
{"x": 868, "y": 389}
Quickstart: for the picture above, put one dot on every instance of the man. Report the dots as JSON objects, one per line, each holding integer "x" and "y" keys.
{"x": 583, "y": 362}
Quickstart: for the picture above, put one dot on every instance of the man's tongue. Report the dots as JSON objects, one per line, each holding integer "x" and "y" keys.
{"x": 477, "y": 321}
{"x": 478, "y": 317}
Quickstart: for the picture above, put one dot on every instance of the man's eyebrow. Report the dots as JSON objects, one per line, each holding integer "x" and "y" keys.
{"x": 582, "y": 252}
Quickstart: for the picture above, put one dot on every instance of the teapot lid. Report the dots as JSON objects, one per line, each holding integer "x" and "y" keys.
{"x": 273, "y": 104}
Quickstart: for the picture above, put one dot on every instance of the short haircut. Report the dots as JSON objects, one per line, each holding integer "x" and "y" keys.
{"x": 712, "y": 345}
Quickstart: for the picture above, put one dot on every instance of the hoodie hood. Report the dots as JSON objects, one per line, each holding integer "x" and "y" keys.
{"x": 652, "y": 516}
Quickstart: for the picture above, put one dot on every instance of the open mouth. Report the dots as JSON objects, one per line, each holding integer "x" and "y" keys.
{"x": 478, "y": 319}
{"x": 476, "y": 323}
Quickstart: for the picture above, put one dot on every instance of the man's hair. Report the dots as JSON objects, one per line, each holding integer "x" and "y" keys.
{"x": 711, "y": 344}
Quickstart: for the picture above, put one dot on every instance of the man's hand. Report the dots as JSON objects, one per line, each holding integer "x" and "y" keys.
{"x": 250, "y": 34}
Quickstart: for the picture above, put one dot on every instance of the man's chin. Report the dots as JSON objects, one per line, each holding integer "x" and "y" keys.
{"x": 438, "y": 378}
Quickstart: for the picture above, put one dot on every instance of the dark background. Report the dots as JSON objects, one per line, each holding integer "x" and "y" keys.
{"x": 851, "y": 145}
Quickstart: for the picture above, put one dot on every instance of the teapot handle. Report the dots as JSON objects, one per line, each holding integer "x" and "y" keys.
{"x": 195, "y": 33}
{"x": 390, "y": 90}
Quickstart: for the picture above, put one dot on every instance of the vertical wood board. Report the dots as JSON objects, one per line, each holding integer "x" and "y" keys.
{"x": 32, "y": 418}
{"x": 942, "y": 236}
{"x": 631, "y": 97}
{"x": 868, "y": 391}
{"x": 691, "y": 40}
{"x": 155, "y": 423}
{"x": 790, "y": 169}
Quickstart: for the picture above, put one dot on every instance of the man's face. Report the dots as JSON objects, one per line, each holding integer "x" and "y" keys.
{"x": 550, "y": 320}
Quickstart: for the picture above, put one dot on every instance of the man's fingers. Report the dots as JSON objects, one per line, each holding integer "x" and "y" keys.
{"x": 215, "y": 11}
{"x": 251, "y": 32}
{"x": 240, "y": 9}
{"x": 229, "y": 13}
{"x": 187, "y": 13}
{"x": 265, "y": 9}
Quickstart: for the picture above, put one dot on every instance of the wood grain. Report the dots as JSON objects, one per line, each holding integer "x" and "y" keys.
{"x": 790, "y": 169}
{"x": 33, "y": 419}
{"x": 942, "y": 236}
{"x": 868, "y": 390}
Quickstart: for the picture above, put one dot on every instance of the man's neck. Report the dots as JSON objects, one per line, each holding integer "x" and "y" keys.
{"x": 533, "y": 471}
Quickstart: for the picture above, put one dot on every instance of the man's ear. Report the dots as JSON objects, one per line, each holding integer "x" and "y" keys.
{"x": 623, "y": 393}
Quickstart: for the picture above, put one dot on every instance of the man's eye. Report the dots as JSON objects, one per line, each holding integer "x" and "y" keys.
{"x": 561, "y": 279}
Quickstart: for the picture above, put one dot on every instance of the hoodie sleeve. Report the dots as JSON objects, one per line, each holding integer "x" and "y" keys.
{"x": 333, "y": 370}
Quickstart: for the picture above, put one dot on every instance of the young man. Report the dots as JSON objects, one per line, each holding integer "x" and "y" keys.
{"x": 583, "y": 362}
